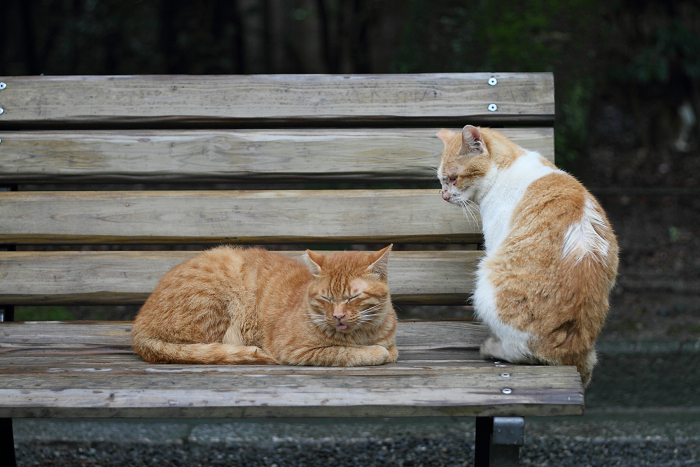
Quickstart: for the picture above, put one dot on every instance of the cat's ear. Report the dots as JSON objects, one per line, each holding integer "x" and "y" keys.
{"x": 446, "y": 135}
{"x": 472, "y": 142}
{"x": 379, "y": 262}
{"x": 313, "y": 261}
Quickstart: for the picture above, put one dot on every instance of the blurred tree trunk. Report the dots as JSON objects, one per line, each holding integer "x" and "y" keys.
{"x": 29, "y": 38}
{"x": 168, "y": 35}
{"x": 239, "y": 36}
{"x": 227, "y": 12}
{"x": 267, "y": 36}
{"x": 329, "y": 46}
{"x": 73, "y": 34}
{"x": 4, "y": 56}
{"x": 358, "y": 37}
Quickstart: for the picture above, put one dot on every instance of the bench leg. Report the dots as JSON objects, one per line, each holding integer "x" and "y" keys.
{"x": 498, "y": 441}
{"x": 7, "y": 437}
{"x": 7, "y": 443}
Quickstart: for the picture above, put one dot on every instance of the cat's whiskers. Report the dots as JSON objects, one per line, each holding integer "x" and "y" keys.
{"x": 367, "y": 310}
{"x": 366, "y": 317}
{"x": 368, "y": 314}
{"x": 474, "y": 210}
{"x": 316, "y": 318}
{"x": 468, "y": 208}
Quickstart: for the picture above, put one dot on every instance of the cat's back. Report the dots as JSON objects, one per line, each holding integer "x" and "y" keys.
{"x": 557, "y": 213}
{"x": 557, "y": 239}
{"x": 269, "y": 267}
{"x": 541, "y": 208}
{"x": 224, "y": 270}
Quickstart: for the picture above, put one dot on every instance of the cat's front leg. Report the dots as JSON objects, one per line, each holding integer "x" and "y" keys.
{"x": 341, "y": 356}
{"x": 493, "y": 348}
{"x": 393, "y": 354}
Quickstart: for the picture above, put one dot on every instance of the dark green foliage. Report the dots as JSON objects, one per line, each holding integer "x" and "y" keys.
{"x": 641, "y": 57}
{"x": 42, "y": 313}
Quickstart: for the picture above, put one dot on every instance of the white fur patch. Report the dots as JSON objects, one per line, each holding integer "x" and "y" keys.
{"x": 503, "y": 191}
{"x": 514, "y": 342}
{"x": 582, "y": 238}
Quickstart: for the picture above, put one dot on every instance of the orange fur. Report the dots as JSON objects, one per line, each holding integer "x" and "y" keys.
{"x": 236, "y": 306}
{"x": 551, "y": 256}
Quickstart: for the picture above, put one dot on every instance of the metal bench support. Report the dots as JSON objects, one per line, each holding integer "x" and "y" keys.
{"x": 498, "y": 441}
{"x": 7, "y": 443}
{"x": 7, "y": 438}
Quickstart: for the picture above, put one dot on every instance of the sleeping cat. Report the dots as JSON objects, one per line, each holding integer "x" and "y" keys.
{"x": 234, "y": 306}
{"x": 551, "y": 255}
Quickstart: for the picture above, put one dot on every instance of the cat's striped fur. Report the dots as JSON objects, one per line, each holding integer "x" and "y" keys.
{"x": 551, "y": 255}
{"x": 235, "y": 306}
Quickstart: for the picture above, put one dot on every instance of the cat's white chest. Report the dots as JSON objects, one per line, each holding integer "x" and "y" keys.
{"x": 507, "y": 189}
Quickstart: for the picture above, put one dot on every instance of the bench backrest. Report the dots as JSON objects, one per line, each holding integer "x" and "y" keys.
{"x": 307, "y": 160}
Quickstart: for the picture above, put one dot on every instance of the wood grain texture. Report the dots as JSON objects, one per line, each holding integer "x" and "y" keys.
{"x": 128, "y": 277}
{"x": 45, "y": 336}
{"x": 276, "y": 99}
{"x": 286, "y": 216}
{"x": 51, "y": 369}
{"x": 203, "y": 156}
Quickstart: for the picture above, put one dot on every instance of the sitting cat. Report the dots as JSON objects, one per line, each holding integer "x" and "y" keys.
{"x": 551, "y": 255}
{"x": 233, "y": 306}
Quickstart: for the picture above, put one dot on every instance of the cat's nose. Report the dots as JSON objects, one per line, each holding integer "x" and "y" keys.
{"x": 445, "y": 195}
{"x": 339, "y": 317}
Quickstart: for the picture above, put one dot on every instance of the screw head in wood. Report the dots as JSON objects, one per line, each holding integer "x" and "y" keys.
{"x": 493, "y": 81}
{"x": 505, "y": 375}
{"x": 2, "y": 111}
{"x": 506, "y": 390}
{"x": 493, "y": 107}
{"x": 2, "y": 85}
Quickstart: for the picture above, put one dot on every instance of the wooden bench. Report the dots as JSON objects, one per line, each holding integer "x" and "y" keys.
{"x": 324, "y": 161}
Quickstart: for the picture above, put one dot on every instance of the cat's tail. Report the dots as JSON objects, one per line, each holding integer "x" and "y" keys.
{"x": 584, "y": 363}
{"x": 159, "y": 351}
{"x": 585, "y": 366}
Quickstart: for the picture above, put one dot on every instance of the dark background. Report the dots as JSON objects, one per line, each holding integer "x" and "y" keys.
{"x": 627, "y": 78}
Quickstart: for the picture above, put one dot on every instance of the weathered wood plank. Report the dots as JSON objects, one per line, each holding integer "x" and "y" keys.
{"x": 233, "y": 156}
{"x": 233, "y": 216}
{"x": 145, "y": 376}
{"x": 128, "y": 277}
{"x": 86, "y": 335}
{"x": 41, "y": 377}
{"x": 276, "y": 99}
{"x": 286, "y": 403}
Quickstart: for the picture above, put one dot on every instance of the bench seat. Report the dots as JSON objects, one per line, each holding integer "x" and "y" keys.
{"x": 87, "y": 369}
{"x": 107, "y": 182}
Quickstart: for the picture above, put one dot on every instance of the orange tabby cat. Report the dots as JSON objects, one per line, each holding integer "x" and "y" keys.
{"x": 233, "y": 306}
{"x": 551, "y": 256}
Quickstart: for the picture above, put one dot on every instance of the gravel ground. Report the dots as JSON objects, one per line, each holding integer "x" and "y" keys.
{"x": 448, "y": 451}
{"x": 604, "y": 438}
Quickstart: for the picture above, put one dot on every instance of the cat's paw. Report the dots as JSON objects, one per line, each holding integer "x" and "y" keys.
{"x": 374, "y": 355}
{"x": 491, "y": 348}
{"x": 393, "y": 354}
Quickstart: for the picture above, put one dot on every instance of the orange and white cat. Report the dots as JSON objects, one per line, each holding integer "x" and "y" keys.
{"x": 551, "y": 255}
{"x": 234, "y": 306}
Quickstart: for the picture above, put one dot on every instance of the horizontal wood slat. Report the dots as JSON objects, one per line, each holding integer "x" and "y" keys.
{"x": 52, "y": 370}
{"x": 276, "y": 99}
{"x": 26, "y": 338}
{"x": 233, "y": 216}
{"x": 233, "y": 155}
{"x": 127, "y": 277}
